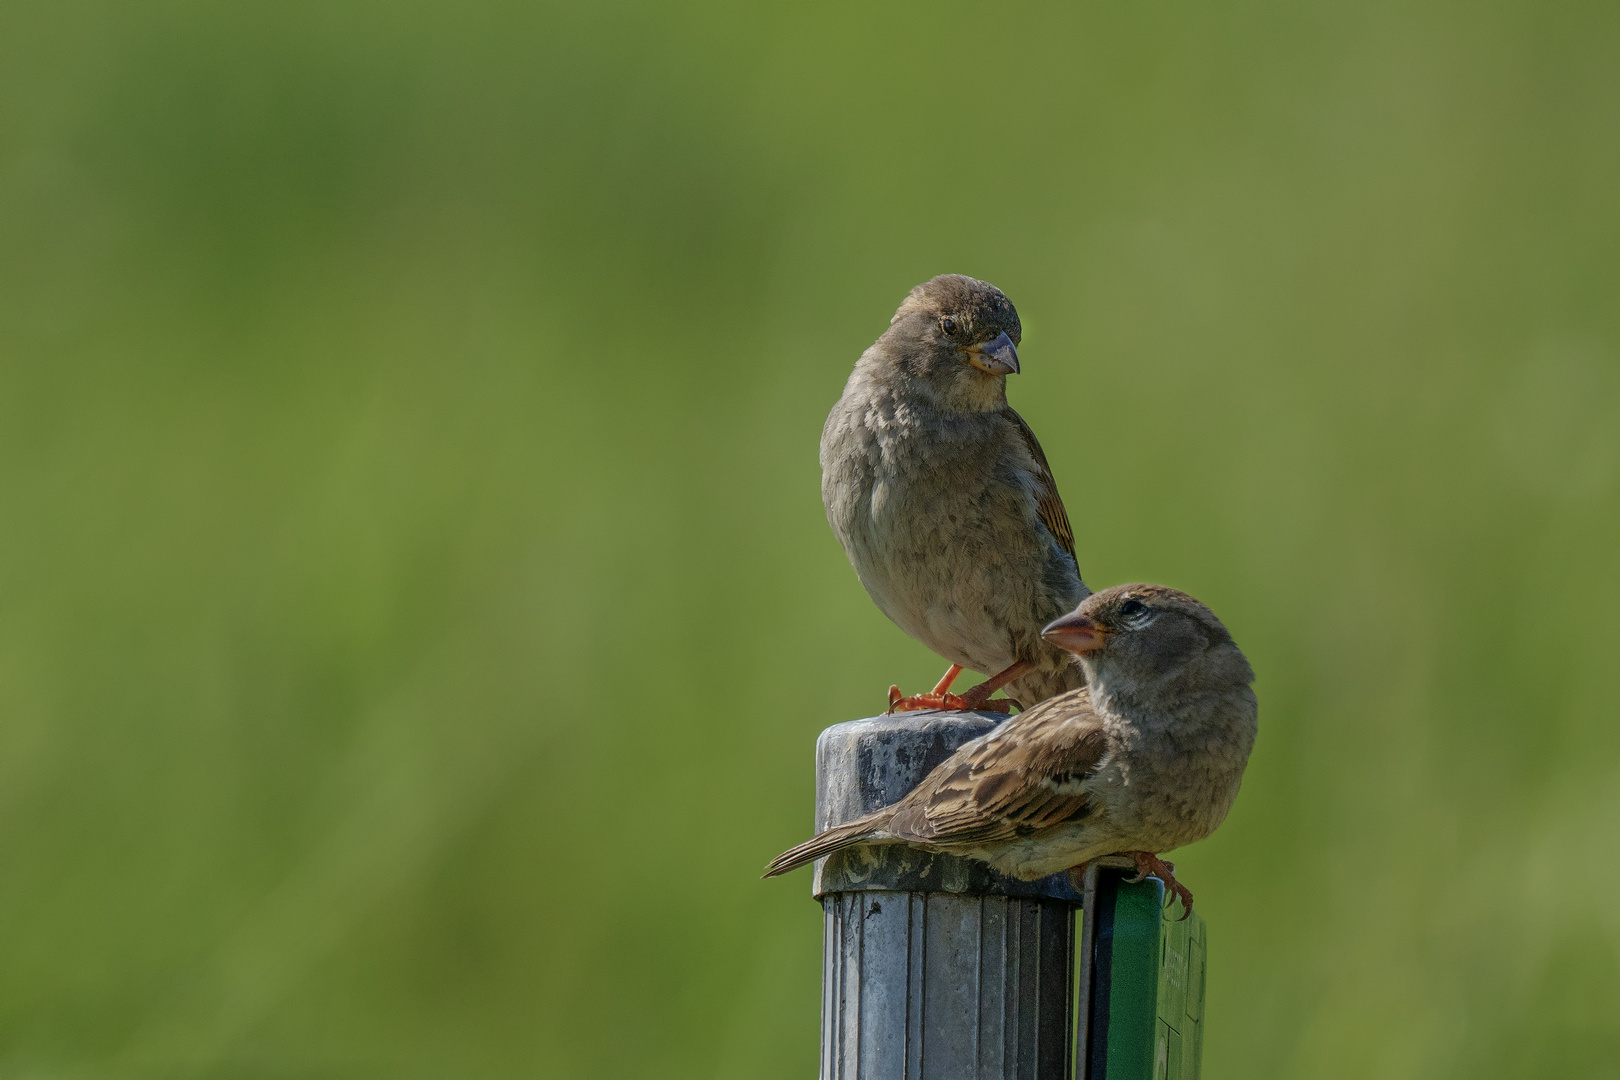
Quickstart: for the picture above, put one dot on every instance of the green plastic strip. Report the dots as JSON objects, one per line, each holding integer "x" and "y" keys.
{"x": 1155, "y": 988}
{"x": 1133, "y": 993}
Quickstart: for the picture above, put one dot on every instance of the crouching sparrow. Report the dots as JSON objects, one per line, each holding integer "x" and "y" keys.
{"x": 1143, "y": 759}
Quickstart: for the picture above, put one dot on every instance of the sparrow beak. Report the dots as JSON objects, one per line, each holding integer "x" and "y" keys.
{"x": 997, "y": 357}
{"x": 1075, "y": 633}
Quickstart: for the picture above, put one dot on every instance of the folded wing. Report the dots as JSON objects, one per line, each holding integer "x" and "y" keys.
{"x": 1029, "y": 775}
{"x": 1048, "y": 504}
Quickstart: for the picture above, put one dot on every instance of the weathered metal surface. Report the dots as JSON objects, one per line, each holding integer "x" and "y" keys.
{"x": 939, "y": 986}
{"x": 935, "y": 967}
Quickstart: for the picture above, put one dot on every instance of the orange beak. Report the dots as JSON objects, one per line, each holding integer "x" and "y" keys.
{"x": 1076, "y": 633}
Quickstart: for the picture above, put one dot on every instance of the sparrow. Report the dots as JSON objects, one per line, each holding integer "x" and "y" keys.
{"x": 1143, "y": 759}
{"x": 943, "y": 499}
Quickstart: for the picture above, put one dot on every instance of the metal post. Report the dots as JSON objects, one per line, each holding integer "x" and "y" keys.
{"x": 934, "y": 967}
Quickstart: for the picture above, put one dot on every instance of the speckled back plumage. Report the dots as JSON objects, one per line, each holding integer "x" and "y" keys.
{"x": 942, "y": 497}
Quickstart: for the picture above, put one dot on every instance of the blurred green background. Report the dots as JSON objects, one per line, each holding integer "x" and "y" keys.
{"x": 416, "y": 609}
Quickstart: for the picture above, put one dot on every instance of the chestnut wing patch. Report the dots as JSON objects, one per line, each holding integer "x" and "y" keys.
{"x": 1027, "y": 779}
{"x": 1049, "y": 506}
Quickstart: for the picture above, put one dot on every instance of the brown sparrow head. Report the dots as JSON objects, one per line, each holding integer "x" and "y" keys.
{"x": 958, "y": 337}
{"x": 1145, "y": 644}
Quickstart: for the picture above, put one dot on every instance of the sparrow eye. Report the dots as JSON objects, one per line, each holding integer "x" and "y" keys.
{"x": 948, "y": 325}
{"x": 1134, "y": 611}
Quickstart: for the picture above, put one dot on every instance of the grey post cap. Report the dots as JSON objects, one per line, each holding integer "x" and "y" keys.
{"x": 864, "y": 765}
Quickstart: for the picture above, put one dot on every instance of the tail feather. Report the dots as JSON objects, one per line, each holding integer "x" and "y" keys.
{"x": 834, "y": 839}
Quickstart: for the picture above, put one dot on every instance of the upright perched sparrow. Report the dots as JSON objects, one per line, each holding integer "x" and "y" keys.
{"x": 943, "y": 500}
{"x": 1145, "y": 758}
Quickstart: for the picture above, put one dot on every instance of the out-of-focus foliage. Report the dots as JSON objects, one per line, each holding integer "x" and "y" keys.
{"x": 416, "y": 610}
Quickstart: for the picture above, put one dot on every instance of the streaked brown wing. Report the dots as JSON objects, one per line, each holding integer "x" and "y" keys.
{"x": 1048, "y": 504}
{"x": 1025, "y": 779}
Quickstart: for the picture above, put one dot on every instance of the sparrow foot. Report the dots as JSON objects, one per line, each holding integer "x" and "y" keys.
{"x": 1148, "y": 863}
{"x": 940, "y": 697}
{"x": 947, "y": 702}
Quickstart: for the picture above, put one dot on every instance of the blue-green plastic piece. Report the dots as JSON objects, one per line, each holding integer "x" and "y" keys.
{"x": 1133, "y": 991}
{"x": 1155, "y": 987}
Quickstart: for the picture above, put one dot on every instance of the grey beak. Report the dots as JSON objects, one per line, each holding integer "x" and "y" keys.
{"x": 996, "y": 357}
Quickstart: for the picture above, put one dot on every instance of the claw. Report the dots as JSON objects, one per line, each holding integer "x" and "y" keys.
{"x": 1147, "y": 864}
{"x": 979, "y": 698}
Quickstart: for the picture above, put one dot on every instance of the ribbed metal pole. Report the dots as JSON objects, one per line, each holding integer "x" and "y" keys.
{"x": 934, "y": 967}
